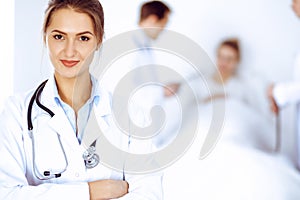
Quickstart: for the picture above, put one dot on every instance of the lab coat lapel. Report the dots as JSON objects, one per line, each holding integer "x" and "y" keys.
{"x": 97, "y": 122}
{"x": 59, "y": 122}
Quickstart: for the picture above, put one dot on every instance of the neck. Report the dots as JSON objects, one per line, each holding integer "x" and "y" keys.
{"x": 222, "y": 77}
{"x": 150, "y": 34}
{"x": 74, "y": 91}
{"x": 148, "y": 30}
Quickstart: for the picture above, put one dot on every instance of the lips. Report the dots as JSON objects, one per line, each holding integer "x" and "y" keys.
{"x": 69, "y": 63}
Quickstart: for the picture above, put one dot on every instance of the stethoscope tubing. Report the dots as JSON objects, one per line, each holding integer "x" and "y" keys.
{"x": 47, "y": 174}
{"x": 35, "y": 97}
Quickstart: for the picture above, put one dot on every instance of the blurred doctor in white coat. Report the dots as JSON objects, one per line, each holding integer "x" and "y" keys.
{"x": 284, "y": 93}
{"x": 154, "y": 16}
{"x": 73, "y": 31}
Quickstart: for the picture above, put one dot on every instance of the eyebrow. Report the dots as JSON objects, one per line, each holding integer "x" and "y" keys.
{"x": 81, "y": 33}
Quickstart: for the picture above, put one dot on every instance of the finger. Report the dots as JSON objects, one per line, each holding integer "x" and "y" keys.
{"x": 126, "y": 186}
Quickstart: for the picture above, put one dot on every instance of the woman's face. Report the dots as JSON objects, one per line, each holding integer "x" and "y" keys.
{"x": 227, "y": 60}
{"x": 71, "y": 42}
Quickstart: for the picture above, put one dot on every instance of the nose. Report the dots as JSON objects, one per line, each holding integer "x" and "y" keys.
{"x": 70, "y": 49}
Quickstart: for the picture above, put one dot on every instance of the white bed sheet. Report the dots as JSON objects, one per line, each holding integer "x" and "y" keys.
{"x": 241, "y": 167}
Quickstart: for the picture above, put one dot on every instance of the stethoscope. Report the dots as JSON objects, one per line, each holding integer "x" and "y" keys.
{"x": 91, "y": 159}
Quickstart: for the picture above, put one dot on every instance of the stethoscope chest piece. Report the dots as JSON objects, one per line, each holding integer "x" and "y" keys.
{"x": 91, "y": 159}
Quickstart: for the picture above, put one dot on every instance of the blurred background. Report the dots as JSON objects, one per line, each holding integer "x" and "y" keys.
{"x": 268, "y": 31}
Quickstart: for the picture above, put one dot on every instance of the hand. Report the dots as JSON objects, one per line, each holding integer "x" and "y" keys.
{"x": 273, "y": 105}
{"x": 171, "y": 89}
{"x": 107, "y": 189}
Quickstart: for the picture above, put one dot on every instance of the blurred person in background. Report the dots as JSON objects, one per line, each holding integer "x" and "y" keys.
{"x": 284, "y": 93}
{"x": 244, "y": 121}
{"x": 226, "y": 75}
{"x": 154, "y": 16}
{"x": 143, "y": 66}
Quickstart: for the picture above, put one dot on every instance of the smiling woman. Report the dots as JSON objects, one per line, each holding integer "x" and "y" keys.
{"x": 41, "y": 131}
{"x": 71, "y": 44}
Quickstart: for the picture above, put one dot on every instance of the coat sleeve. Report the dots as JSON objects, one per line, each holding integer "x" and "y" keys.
{"x": 144, "y": 187}
{"x": 13, "y": 182}
{"x": 286, "y": 93}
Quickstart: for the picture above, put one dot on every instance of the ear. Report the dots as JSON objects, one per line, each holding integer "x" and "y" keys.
{"x": 99, "y": 45}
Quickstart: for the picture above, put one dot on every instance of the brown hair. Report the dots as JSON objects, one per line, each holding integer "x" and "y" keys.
{"x": 156, "y": 8}
{"x": 234, "y": 44}
{"x": 93, "y": 8}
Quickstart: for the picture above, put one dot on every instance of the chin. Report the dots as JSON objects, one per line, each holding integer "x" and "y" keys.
{"x": 69, "y": 74}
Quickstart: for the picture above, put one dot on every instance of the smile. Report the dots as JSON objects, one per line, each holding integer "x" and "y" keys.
{"x": 69, "y": 63}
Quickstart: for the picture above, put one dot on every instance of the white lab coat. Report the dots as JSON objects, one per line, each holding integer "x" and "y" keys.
{"x": 17, "y": 180}
{"x": 289, "y": 93}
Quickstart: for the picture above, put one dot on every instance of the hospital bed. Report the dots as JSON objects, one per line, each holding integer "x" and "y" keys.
{"x": 242, "y": 166}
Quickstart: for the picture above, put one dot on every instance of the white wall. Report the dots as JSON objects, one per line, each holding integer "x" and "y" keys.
{"x": 268, "y": 29}
{"x": 29, "y": 68}
{"x": 6, "y": 49}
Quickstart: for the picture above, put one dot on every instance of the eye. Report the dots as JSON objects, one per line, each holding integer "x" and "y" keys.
{"x": 58, "y": 37}
{"x": 84, "y": 38}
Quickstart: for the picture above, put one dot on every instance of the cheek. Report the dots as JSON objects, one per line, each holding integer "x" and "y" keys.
{"x": 219, "y": 62}
{"x": 87, "y": 53}
{"x": 54, "y": 50}
{"x": 222, "y": 63}
{"x": 87, "y": 58}
{"x": 85, "y": 50}
{"x": 233, "y": 66}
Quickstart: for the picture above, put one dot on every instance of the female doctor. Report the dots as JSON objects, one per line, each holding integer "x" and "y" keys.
{"x": 73, "y": 31}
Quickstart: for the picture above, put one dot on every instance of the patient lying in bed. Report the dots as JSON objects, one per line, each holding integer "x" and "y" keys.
{"x": 226, "y": 81}
{"x": 245, "y": 122}
{"x": 241, "y": 165}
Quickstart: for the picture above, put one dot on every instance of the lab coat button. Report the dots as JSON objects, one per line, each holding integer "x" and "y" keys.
{"x": 77, "y": 174}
